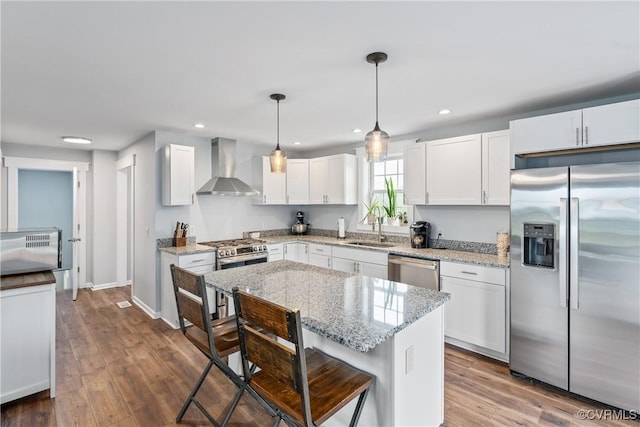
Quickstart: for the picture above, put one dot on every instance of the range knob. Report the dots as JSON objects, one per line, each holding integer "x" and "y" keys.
{"x": 232, "y": 252}
{"x": 264, "y": 247}
{"x": 220, "y": 253}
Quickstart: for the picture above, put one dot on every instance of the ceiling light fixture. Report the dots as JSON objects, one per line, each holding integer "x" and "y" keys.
{"x": 278, "y": 157}
{"x": 198, "y": 125}
{"x": 76, "y": 140}
{"x": 444, "y": 111}
{"x": 376, "y": 141}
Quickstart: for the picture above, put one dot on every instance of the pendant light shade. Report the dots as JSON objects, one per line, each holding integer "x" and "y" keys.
{"x": 376, "y": 142}
{"x": 278, "y": 158}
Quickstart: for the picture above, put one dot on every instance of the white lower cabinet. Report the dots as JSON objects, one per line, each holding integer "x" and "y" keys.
{"x": 201, "y": 263}
{"x": 477, "y": 311}
{"x": 28, "y": 341}
{"x": 275, "y": 252}
{"x": 360, "y": 261}
{"x": 320, "y": 255}
{"x": 297, "y": 251}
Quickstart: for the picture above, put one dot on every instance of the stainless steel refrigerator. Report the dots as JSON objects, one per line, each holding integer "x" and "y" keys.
{"x": 575, "y": 286}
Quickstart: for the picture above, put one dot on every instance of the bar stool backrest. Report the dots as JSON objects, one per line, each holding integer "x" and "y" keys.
{"x": 286, "y": 364}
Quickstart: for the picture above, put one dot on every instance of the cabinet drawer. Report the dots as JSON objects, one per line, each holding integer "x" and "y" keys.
{"x": 197, "y": 260}
{"x": 473, "y": 272}
{"x": 370, "y": 256}
{"x": 317, "y": 249}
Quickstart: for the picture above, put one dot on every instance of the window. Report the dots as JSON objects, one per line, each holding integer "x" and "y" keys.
{"x": 392, "y": 169}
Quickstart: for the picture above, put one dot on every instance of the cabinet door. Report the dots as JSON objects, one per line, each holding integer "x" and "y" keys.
{"x": 177, "y": 175}
{"x": 317, "y": 181}
{"x": 611, "y": 124}
{"x": 495, "y": 168}
{"x": 345, "y": 265}
{"x": 560, "y": 131}
{"x": 320, "y": 260}
{"x": 298, "y": 252}
{"x": 297, "y": 181}
{"x": 454, "y": 175}
{"x": 475, "y": 313}
{"x": 372, "y": 270}
{"x": 342, "y": 182}
{"x": 274, "y": 185}
{"x": 275, "y": 252}
{"x": 414, "y": 157}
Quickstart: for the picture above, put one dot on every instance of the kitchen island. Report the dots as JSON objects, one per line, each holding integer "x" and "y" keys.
{"x": 392, "y": 330}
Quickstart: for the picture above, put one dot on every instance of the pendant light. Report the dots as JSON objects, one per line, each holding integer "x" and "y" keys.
{"x": 278, "y": 157}
{"x": 377, "y": 141}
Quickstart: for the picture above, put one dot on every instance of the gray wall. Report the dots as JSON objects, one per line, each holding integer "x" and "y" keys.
{"x": 102, "y": 205}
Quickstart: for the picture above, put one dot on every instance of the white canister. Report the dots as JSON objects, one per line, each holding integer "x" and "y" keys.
{"x": 341, "y": 228}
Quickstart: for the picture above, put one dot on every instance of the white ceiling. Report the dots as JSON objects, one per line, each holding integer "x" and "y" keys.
{"x": 113, "y": 71}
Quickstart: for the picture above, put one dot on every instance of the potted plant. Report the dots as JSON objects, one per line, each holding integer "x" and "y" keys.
{"x": 390, "y": 206}
{"x": 370, "y": 216}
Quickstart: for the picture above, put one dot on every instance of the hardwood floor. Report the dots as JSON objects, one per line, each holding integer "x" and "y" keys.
{"x": 117, "y": 367}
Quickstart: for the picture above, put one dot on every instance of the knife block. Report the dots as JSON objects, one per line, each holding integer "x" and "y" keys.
{"x": 179, "y": 241}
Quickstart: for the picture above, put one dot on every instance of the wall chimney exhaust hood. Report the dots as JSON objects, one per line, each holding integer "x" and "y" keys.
{"x": 223, "y": 169}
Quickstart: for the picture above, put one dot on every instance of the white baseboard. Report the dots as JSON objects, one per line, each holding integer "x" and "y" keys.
{"x": 144, "y": 307}
{"x": 503, "y": 357}
{"x": 104, "y": 286}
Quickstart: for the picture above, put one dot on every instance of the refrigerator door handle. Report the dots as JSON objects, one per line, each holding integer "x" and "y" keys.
{"x": 562, "y": 253}
{"x": 573, "y": 254}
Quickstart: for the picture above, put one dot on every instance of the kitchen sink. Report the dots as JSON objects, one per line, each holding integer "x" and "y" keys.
{"x": 373, "y": 244}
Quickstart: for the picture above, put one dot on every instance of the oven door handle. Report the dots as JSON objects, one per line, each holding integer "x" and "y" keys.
{"x": 237, "y": 259}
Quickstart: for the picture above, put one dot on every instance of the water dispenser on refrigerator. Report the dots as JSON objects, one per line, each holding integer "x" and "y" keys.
{"x": 539, "y": 245}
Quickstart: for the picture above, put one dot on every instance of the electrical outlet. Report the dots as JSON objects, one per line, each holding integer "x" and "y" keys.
{"x": 408, "y": 360}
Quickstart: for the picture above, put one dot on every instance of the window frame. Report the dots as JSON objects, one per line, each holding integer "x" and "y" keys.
{"x": 396, "y": 149}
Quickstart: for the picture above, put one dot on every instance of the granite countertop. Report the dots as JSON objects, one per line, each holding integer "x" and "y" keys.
{"x": 187, "y": 250}
{"x": 489, "y": 260}
{"x": 359, "y": 312}
{"x": 15, "y": 281}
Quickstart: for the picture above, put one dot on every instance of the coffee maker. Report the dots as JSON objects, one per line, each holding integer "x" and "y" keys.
{"x": 420, "y": 234}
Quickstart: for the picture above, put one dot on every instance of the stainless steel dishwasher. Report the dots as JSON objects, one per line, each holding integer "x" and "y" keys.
{"x": 424, "y": 273}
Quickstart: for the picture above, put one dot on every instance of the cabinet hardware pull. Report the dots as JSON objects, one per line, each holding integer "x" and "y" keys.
{"x": 586, "y": 135}
{"x": 577, "y": 136}
{"x": 469, "y": 272}
{"x": 198, "y": 260}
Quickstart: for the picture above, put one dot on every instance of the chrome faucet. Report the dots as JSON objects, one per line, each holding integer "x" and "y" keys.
{"x": 381, "y": 237}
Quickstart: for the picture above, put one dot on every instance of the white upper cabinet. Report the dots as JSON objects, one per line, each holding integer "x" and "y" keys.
{"x": 415, "y": 190}
{"x": 272, "y": 186}
{"x": 495, "y": 168}
{"x": 611, "y": 124}
{"x": 297, "y": 181}
{"x": 178, "y": 166}
{"x": 603, "y": 125}
{"x": 333, "y": 180}
{"x": 454, "y": 171}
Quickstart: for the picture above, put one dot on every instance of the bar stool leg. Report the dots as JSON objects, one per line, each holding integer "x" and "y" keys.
{"x": 191, "y": 397}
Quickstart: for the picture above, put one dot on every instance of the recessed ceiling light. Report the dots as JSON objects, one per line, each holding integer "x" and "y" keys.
{"x": 357, "y": 130}
{"x": 198, "y": 125}
{"x": 76, "y": 140}
{"x": 297, "y": 143}
{"x": 444, "y": 111}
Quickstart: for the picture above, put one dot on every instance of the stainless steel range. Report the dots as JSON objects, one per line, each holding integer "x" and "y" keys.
{"x": 238, "y": 252}
{"x": 231, "y": 254}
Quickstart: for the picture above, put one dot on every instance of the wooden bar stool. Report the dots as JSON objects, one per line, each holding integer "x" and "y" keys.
{"x": 215, "y": 339}
{"x": 304, "y": 385}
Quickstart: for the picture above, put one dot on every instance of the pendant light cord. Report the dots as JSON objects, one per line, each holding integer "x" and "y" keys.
{"x": 278, "y": 127}
{"x": 376, "y": 92}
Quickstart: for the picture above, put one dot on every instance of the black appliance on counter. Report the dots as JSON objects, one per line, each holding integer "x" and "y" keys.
{"x": 420, "y": 234}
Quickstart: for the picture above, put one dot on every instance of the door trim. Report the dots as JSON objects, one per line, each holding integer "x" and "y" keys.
{"x": 13, "y": 164}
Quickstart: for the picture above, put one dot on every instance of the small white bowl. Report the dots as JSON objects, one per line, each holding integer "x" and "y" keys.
{"x": 255, "y": 235}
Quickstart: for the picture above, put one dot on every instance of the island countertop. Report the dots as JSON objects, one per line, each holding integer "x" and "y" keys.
{"x": 359, "y": 312}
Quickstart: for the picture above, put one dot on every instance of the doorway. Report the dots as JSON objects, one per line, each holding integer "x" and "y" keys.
{"x": 20, "y": 201}
{"x": 45, "y": 199}
{"x": 125, "y": 221}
